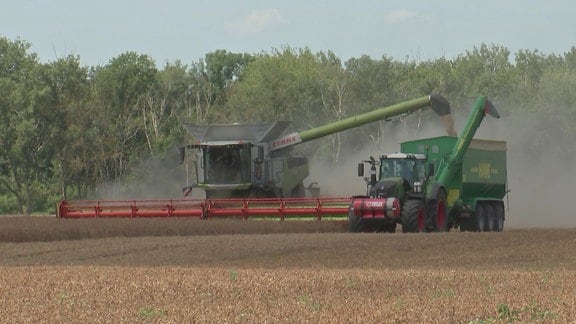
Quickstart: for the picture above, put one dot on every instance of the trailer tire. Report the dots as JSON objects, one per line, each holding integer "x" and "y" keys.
{"x": 490, "y": 217}
{"x": 413, "y": 216}
{"x": 500, "y": 216}
{"x": 355, "y": 224}
{"x": 480, "y": 217}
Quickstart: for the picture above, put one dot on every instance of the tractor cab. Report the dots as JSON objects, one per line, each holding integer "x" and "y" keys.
{"x": 409, "y": 167}
{"x": 395, "y": 175}
{"x": 400, "y": 174}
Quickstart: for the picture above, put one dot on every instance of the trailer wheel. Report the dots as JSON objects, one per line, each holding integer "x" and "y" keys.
{"x": 480, "y": 217}
{"x": 500, "y": 216}
{"x": 355, "y": 224}
{"x": 439, "y": 215}
{"x": 490, "y": 217}
{"x": 413, "y": 216}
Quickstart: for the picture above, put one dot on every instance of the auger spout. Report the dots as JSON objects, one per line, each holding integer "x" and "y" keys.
{"x": 437, "y": 102}
{"x": 482, "y": 107}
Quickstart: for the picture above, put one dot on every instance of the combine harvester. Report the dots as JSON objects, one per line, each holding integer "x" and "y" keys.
{"x": 435, "y": 184}
{"x": 249, "y": 171}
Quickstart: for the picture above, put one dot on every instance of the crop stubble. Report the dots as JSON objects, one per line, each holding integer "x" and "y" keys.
{"x": 193, "y": 271}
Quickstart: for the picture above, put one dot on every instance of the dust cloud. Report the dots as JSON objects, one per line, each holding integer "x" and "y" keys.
{"x": 154, "y": 178}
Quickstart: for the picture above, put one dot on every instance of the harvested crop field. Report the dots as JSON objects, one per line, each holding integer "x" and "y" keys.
{"x": 179, "y": 270}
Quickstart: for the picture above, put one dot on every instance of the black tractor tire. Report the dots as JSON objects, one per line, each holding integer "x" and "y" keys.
{"x": 468, "y": 224}
{"x": 499, "y": 216}
{"x": 413, "y": 216}
{"x": 480, "y": 217}
{"x": 355, "y": 224}
{"x": 439, "y": 212}
{"x": 389, "y": 228}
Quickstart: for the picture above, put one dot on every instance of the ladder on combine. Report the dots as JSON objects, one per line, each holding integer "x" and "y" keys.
{"x": 274, "y": 208}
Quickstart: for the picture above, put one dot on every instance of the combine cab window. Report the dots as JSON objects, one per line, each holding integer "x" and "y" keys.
{"x": 227, "y": 164}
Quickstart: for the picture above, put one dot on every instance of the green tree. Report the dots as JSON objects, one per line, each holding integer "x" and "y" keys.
{"x": 279, "y": 86}
{"x": 121, "y": 128}
{"x": 213, "y": 81}
{"x": 374, "y": 84}
{"x": 25, "y": 127}
{"x": 67, "y": 87}
{"x": 484, "y": 70}
{"x": 333, "y": 81}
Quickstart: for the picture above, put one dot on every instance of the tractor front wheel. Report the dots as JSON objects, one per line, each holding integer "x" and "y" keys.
{"x": 389, "y": 228}
{"x": 354, "y": 223}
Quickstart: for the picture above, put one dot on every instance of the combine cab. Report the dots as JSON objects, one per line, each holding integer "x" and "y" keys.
{"x": 234, "y": 161}
{"x": 239, "y": 165}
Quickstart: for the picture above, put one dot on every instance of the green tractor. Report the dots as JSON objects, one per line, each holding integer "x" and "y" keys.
{"x": 436, "y": 184}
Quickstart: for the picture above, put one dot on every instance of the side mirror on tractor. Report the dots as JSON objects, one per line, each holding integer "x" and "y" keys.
{"x": 360, "y": 169}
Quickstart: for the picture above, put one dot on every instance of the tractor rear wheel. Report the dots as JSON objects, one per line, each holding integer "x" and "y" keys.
{"x": 355, "y": 224}
{"x": 413, "y": 216}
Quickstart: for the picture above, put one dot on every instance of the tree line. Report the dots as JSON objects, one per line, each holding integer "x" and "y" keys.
{"x": 66, "y": 129}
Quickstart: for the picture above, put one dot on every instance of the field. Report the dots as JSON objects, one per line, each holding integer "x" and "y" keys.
{"x": 179, "y": 270}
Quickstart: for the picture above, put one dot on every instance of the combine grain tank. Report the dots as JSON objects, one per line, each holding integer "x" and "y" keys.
{"x": 435, "y": 184}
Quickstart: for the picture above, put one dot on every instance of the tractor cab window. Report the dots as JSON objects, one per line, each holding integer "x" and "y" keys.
{"x": 408, "y": 169}
{"x": 386, "y": 169}
{"x": 405, "y": 169}
{"x": 227, "y": 164}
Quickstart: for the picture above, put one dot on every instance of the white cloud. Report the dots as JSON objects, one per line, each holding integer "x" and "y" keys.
{"x": 256, "y": 21}
{"x": 403, "y": 15}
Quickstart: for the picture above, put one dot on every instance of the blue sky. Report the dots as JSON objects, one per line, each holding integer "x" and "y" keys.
{"x": 167, "y": 30}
